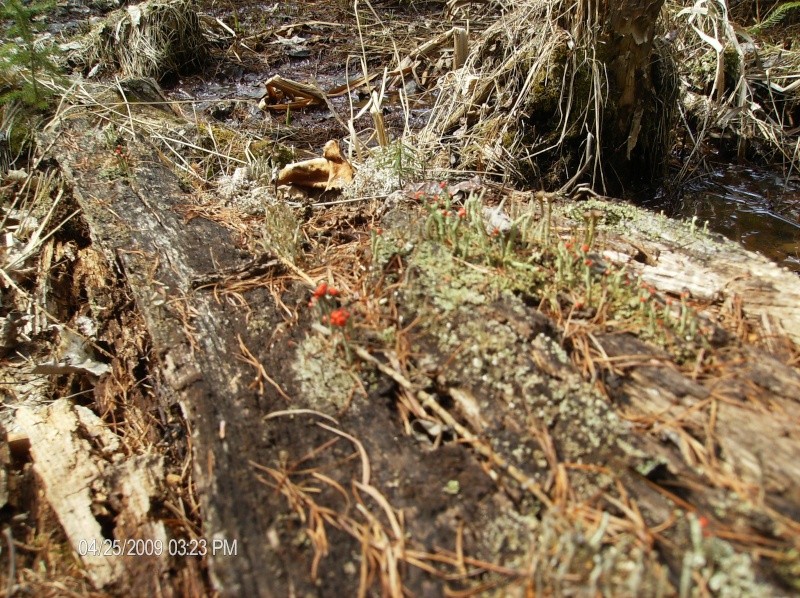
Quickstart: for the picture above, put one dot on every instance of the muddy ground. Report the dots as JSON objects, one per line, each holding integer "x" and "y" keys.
{"x": 578, "y": 398}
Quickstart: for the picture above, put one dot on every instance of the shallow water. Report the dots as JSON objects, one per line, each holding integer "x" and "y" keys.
{"x": 760, "y": 210}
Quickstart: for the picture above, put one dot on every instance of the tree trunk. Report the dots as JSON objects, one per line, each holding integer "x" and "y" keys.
{"x": 639, "y": 109}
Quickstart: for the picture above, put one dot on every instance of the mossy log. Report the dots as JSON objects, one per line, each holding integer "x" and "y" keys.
{"x": 139, "y": 227}
{"x": 518, "y": 450}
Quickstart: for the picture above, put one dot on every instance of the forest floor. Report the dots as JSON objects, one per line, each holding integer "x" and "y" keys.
{"x": 428, "y": 385}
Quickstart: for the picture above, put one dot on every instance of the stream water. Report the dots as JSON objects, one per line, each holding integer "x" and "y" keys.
{"x": 757, "y": 208}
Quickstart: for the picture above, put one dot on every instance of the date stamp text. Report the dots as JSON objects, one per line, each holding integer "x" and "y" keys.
{"x": 175, "y": 547}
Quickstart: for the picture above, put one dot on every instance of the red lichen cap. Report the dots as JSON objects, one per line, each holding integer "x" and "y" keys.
{"x": 339, "y": 317}
{"x": 321, "y": 290}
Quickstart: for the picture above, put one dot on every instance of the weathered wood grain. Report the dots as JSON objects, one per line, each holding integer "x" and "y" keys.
{"x": 136, "y": 223}
{"x": 82, "y": 465}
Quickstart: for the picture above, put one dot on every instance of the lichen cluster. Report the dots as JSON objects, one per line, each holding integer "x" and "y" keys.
{"x": 489, "y": 313}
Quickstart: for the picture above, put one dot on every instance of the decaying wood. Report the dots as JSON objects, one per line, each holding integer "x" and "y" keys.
{"x": 285, "y": 94}
{"x": 460, "y": 48}
{"x": 5, "y": 461}
{"x": 87, "y": 476}
{"x": 332, "y": 171}
{"x": 718, "y": 272}
{"x": 748, "y": 444}
{"x": 138, "y": 226}
{"x": 532, "y": 434}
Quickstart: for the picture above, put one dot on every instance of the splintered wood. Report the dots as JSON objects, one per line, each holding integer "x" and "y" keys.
{"x": 86, "y": 476}
{"x": 331, "y": 172}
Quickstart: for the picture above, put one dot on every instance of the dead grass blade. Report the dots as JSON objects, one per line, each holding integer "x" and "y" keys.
{"x": 261, "y": 372}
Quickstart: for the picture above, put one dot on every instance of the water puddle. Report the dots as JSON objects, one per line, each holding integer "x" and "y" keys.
{"x": 305, "y": 45}
{"x": 760, "y": 210}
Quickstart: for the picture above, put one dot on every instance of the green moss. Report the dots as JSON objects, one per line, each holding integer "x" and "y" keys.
{"x": 542, "y": 126}
{"x": 280, "y": 155}
{"x": 545, "y": 89}
{"x": 732, "y": 68}
{"x": 223, "y": 140}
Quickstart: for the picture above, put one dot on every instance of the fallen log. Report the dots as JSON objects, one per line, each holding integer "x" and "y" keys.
{"x": 477, "y": 421}
{"x": 137, "y": 224}
{"x": 82, "y": 466}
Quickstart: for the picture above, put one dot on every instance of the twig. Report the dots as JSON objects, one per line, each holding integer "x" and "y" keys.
{"x": 283, "y": 412}
{"x": 12, "y": 561}
{"x": 365, "y": 469}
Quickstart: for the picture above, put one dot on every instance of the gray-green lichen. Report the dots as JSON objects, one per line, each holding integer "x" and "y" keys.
{"x": 280, "y": 232}
{"x": 453, "y": 285}
{"x": 622, "y": 218}
{"x": 565, "y": 558}
{"x": 727, "y": 573}
{"x": 614, "y": 213}
{"x": 504, "y": 351}
{"x": 323, "y": 373}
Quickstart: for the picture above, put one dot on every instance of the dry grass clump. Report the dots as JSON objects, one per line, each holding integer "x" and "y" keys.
{"x": 152, "y": 39}
{"x": 489, "y": 107}
{"x": 738, "y": 85}
{"x": 135, "y": 109}
{"x": 531, "y": 99}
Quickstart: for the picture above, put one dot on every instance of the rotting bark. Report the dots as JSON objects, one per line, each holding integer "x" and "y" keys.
{"x": 137, "y": 225}
{"x": 81, "y": 465}
{"x": 539, "y": 440}
{"x": 678, "y": 258}
{"x": 639, "y": 107}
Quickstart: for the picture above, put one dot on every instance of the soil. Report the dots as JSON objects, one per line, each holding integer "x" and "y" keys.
{"x": 316, "y": 43}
